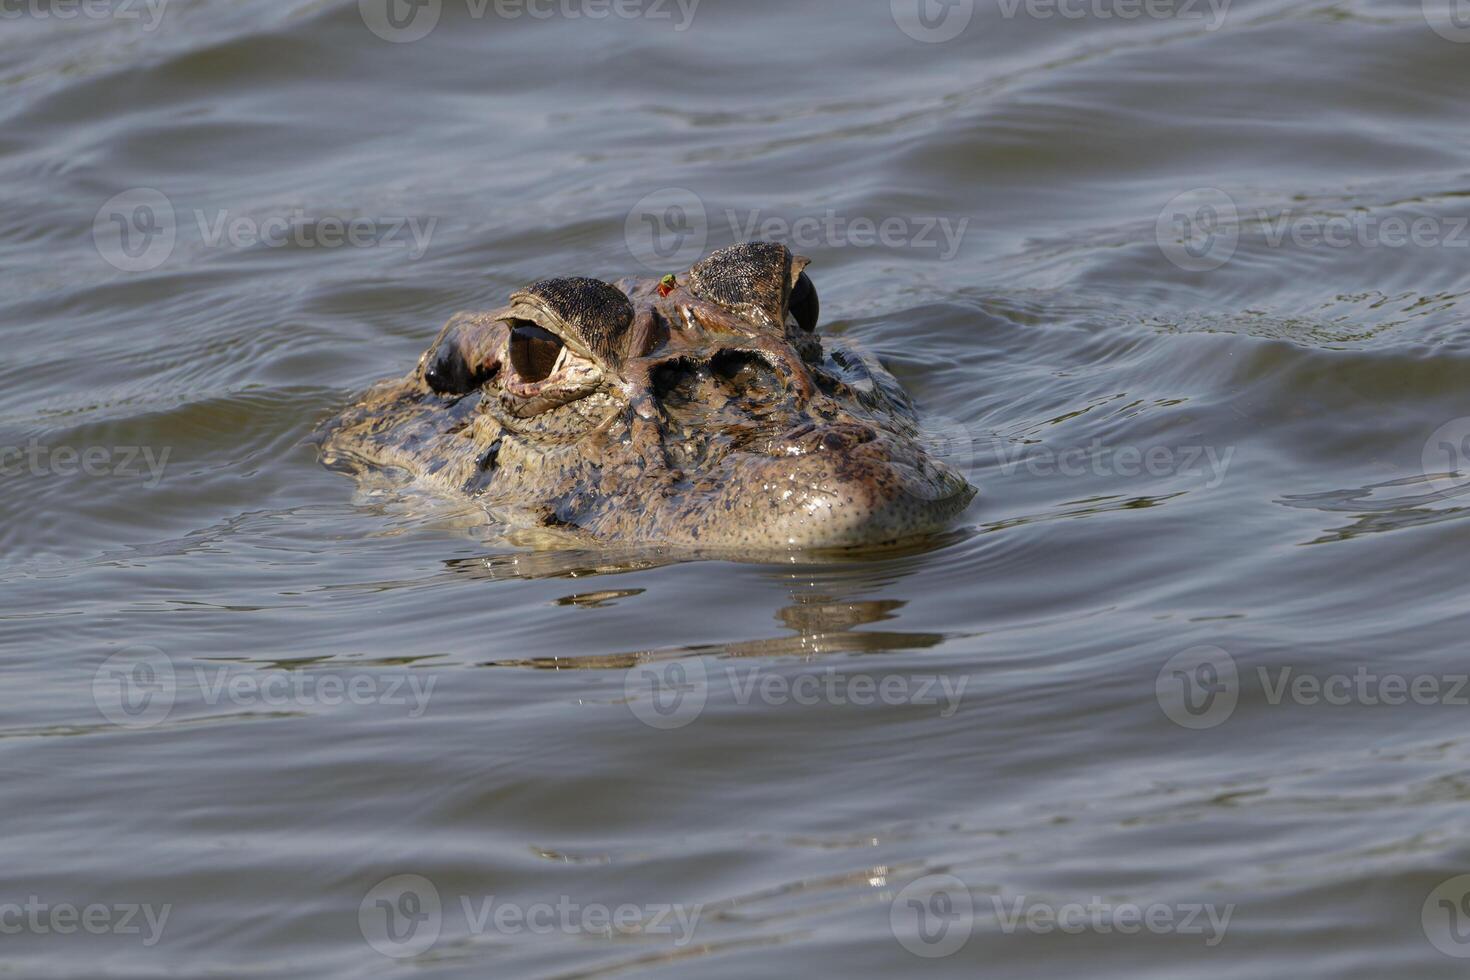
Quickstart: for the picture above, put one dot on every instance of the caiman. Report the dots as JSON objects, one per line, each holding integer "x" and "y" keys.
{"x": 702, "y": 410}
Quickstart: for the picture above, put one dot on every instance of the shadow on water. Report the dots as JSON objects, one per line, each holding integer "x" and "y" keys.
{"x": 546, "y": 561}
{"x": 828, "y": 604}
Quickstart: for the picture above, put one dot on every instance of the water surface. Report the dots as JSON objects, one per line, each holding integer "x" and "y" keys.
{"x": 1214, "y": 404}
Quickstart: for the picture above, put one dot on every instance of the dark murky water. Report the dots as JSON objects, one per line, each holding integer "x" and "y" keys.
{"x": 1183, "y": 286}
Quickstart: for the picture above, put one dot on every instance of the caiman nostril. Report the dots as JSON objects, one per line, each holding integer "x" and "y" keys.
{"x": 833, "y": 438}
{"x": 846, "y": 436}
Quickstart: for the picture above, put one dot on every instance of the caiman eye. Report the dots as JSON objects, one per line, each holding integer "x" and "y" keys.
{"x": 533, "y": 351}
{"x": 804, "y": 304}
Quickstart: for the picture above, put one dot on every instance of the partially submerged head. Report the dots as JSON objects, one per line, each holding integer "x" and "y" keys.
{"x": 701, "y": 410}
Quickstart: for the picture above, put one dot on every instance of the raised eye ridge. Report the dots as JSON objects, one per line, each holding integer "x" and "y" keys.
{"x": 597, "y": 314}
{"x": 751, "y": 275}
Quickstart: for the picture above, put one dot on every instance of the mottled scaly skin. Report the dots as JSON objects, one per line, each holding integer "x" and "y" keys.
{"x": 704, "y": 413}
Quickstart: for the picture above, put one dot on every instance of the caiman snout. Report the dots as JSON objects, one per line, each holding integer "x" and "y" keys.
{"x": 848, "y": 486}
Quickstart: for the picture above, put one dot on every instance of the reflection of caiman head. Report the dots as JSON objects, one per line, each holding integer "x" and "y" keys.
{"x": 699, "y": 410}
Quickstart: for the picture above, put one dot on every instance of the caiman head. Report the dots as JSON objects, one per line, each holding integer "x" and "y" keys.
{"x": 700, "y": 410}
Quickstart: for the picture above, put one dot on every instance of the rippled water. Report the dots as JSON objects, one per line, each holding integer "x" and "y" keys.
{"x": 1184, "y": 292}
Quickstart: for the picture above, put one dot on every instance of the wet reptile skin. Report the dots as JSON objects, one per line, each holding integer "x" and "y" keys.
{"x": 707, "y": 414}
